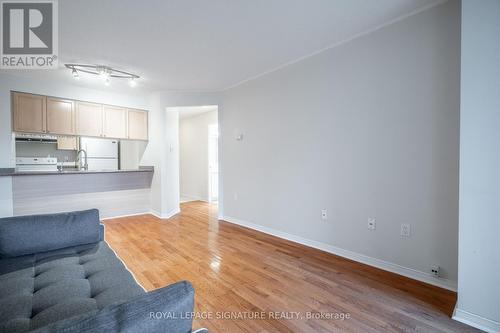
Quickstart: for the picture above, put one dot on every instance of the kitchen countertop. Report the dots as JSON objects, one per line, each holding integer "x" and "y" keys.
{"x": 14, "y": 172}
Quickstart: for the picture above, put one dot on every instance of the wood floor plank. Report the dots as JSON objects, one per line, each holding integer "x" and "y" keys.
{"x": 236, "y": 270}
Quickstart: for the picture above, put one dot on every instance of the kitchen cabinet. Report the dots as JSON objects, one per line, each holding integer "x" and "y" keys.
{"x": 137, "y": 125}
{"x": 60, "y": 116}
{"x": 89, "y": 119}
{"x": 115, "y": 122}
{"x": 29, "y": 113}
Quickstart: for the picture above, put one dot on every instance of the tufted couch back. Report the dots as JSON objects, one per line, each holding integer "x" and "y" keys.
{"x": 22, "y": 235}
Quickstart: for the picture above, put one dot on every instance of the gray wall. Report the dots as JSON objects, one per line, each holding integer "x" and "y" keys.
{"x": 479, "y": 245}
{"x": 367, "y": 129}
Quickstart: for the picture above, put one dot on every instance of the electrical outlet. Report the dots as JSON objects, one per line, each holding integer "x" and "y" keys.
{"x": 435, "y": 270}
{"x": 372, "y": 223}
{"x": 405, "y": 230}
{"x": 324, "y": 214}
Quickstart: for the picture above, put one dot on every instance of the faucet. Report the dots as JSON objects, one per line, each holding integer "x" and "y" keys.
{"x": 85, "y": 165}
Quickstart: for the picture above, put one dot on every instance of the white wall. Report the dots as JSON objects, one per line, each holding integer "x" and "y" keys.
{"x": 154, "y": 151}
{"x": 479, "y": 245}
{"x": 366, "y": 129}
{"x": 12, "y": 82}
{"x": 193, "y": 137}
{"x": 171, "y": 165}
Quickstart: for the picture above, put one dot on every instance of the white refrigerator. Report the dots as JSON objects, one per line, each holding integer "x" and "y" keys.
{"x": 102, "y": 154}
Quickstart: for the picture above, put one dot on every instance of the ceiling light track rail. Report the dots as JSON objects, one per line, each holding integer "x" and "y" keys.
{"x": 105, "y": 72}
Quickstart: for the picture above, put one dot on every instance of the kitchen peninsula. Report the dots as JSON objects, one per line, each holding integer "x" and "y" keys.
{"x": 75, "y": 155}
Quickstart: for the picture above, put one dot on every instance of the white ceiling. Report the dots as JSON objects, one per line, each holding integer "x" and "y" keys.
{"x": 203, "y": 45}
{"x": 191, "y": 111}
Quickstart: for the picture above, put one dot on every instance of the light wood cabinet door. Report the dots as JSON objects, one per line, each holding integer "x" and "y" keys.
{"x": 88, "y": 119}
{"x": 60, "y": 116}
{"x": 29, "y": 113}
{"x": 115, "y": 122}
{"x": 137, "y": 125}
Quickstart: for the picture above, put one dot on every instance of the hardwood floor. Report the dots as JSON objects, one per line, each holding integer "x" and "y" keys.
{"x": 238, "y": 271}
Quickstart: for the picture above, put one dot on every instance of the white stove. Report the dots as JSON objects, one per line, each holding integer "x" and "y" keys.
{"x": 36, "y": 164}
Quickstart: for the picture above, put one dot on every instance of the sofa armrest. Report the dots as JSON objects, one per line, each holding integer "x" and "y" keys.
{"x": 167, "y": 309}
{"x": 101, "y": 232}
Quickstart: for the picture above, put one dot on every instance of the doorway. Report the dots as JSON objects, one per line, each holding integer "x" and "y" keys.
{"x": 198, "y": 154}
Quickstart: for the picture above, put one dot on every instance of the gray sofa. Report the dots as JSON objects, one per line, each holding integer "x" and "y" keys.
{"x": 58, "y": 275}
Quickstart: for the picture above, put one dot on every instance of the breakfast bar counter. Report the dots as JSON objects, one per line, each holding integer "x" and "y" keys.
{"x": 13, "y": 172}
{"x": 114, "y": 193}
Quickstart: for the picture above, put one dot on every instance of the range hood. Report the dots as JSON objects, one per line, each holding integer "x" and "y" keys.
{"x": 43, "y": 138}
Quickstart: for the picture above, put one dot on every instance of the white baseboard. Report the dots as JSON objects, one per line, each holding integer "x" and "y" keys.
{"x": 173, "y": 212}
{"x": 151, "y": 212}
{"x": 156, "y": 214}
{"x": 127, "y": 215}
{"x": 382, "y": 264}
{"x": 194, "y": 197}
{"x": 167, "y": 215}
{"x": 476, "y": 321}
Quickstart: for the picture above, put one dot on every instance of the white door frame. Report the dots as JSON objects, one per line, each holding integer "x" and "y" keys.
{"x": 213, "y": 133}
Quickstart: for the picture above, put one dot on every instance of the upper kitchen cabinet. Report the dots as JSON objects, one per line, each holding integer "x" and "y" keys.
{"x": 137, "y": 125}
{"x": 66, "y": 117}
{"x": 60, "y": 116}
{"x": 115, "y": 122}
{"x": 29, "y": 113}
{"x": 89, "y": 119}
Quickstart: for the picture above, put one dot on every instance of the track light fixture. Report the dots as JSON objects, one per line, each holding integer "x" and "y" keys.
{"x": 74, "y": 72}
{"x": 105, "y": 72}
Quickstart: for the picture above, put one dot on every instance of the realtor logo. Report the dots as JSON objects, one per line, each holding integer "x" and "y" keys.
{"x": 29, "y": 34}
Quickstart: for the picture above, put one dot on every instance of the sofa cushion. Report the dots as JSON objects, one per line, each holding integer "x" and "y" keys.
{"x": 23, "y": 235}
{"x": 140, "y": 314}
{"x": 40, "y": 289}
